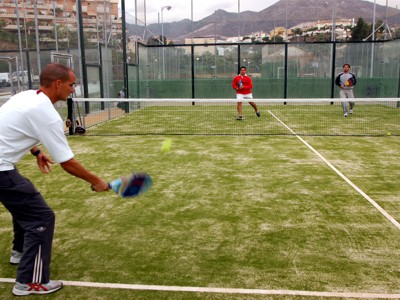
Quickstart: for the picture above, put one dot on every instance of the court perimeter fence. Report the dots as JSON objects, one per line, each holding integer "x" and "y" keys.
{"x": 279, "y": 70}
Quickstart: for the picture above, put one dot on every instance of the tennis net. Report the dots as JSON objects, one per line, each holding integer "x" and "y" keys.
{"x": 370, "y": 116}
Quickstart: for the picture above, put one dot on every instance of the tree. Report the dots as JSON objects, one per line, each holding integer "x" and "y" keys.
{"x": 2, "y": 24}
{"x": 163, "y": 38}
{"x": 361, "y": 31}
{"x": 67, "y": 38}
{"x": 276, "y": 39}
{"x": 380, "y": 26}
{"x": 154, "y": 41}
{"x": 321, "y": 37}
{"x": 297, "y": 31}
{"x": 397, "y": 33}
{"x": 265, "y": 39}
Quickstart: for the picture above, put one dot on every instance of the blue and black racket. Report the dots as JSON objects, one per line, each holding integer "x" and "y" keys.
{"x": 131, "y": 186}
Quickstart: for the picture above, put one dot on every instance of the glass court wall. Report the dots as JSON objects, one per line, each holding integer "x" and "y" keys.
{"x": 282, "y": 70}
{"x": 278, "y": 70}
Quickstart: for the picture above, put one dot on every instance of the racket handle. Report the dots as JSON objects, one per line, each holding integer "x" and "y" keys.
{"x": 109, "y": 186}
{"x": 115, "y": 185}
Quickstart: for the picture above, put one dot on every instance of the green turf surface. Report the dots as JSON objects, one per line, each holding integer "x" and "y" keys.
{"x": 247, "y": 212}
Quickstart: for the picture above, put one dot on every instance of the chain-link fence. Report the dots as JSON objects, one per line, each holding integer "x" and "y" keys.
{"x": 280, "y": 70}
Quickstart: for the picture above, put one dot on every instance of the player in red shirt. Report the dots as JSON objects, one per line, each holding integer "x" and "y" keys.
{"x": 243, "y": 85}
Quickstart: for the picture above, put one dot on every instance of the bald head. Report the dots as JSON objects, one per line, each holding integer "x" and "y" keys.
{"x": 53, "y": 72}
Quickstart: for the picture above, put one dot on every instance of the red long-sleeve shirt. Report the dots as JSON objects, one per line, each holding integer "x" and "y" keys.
{"x": 247, "y": 84}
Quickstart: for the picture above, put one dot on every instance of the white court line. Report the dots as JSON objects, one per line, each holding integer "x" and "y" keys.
{"x": 252, "y": 291}
{"x": 370, "y": 200}
{"x": 221, "y": 290}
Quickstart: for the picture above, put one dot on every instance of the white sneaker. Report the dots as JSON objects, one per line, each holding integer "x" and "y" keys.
{"x": 345, "y": 114}
{"x": 351, "y": 111}
{"x": 22, "y": 289}
{"x": 15, "y": 257}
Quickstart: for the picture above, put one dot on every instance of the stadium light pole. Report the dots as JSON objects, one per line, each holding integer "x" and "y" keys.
{"x": 191, "y": 15}
{"x": 55, "y": 24}
{"x": 37, "y": 38}
{"x": 19, "y": 65}
{"x": 286, "y": 22}
{"x": 333, "y": 37}
{"x": 373, "y": 41}
{"x": 124, "y": 54}
{"x": 168, "y": 7}
{"x": 239, "y": 21}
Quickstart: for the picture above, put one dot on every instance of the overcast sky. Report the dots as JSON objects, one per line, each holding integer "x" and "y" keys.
{"x": 181, "y": 9}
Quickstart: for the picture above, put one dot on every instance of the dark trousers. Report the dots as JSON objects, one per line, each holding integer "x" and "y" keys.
{"x": 33, "y": 222}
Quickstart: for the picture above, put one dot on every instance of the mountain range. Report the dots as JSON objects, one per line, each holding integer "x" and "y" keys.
{"x": 288, "y": 14}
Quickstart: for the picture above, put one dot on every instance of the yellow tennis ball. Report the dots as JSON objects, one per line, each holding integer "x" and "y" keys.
{"x": 388, "y": 133}
{"x": 166, "y": 145}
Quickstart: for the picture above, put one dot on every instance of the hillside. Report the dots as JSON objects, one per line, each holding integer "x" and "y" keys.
{"x": 222, "y": 24}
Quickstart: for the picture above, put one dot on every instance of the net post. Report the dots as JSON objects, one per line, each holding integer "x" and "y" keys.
{"x": 398, "y": 91}
{"x": 285, "y": 80}
{"x": 28, "y": 68}
{"x": 69, "y": 121}
{"x": 126, "y": 107}
{"x": 193, "y": 77}
{"x": 333, "y": 75}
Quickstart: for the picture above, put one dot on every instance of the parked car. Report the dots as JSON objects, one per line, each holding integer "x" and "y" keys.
{"x": 4, "y": 79}
{"x": 22, "y": 77}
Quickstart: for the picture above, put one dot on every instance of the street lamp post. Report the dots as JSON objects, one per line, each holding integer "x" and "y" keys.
{"x": 335, "y": 4}
{"x": 168, "y": 7}
{"x": 333, "y": 38}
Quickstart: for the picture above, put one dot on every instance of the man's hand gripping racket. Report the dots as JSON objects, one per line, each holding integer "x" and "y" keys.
{"x": 131, "y": 186}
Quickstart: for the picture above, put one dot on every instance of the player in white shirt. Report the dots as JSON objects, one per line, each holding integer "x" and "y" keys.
{"x": 26, "y": 120}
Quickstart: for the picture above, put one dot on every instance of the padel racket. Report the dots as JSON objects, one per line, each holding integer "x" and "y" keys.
{"x": 348, "y": 83}
{"x": 131, "y": 186}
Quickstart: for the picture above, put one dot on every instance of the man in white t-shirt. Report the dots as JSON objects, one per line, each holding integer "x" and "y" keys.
{"x": 26, "y": 120}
